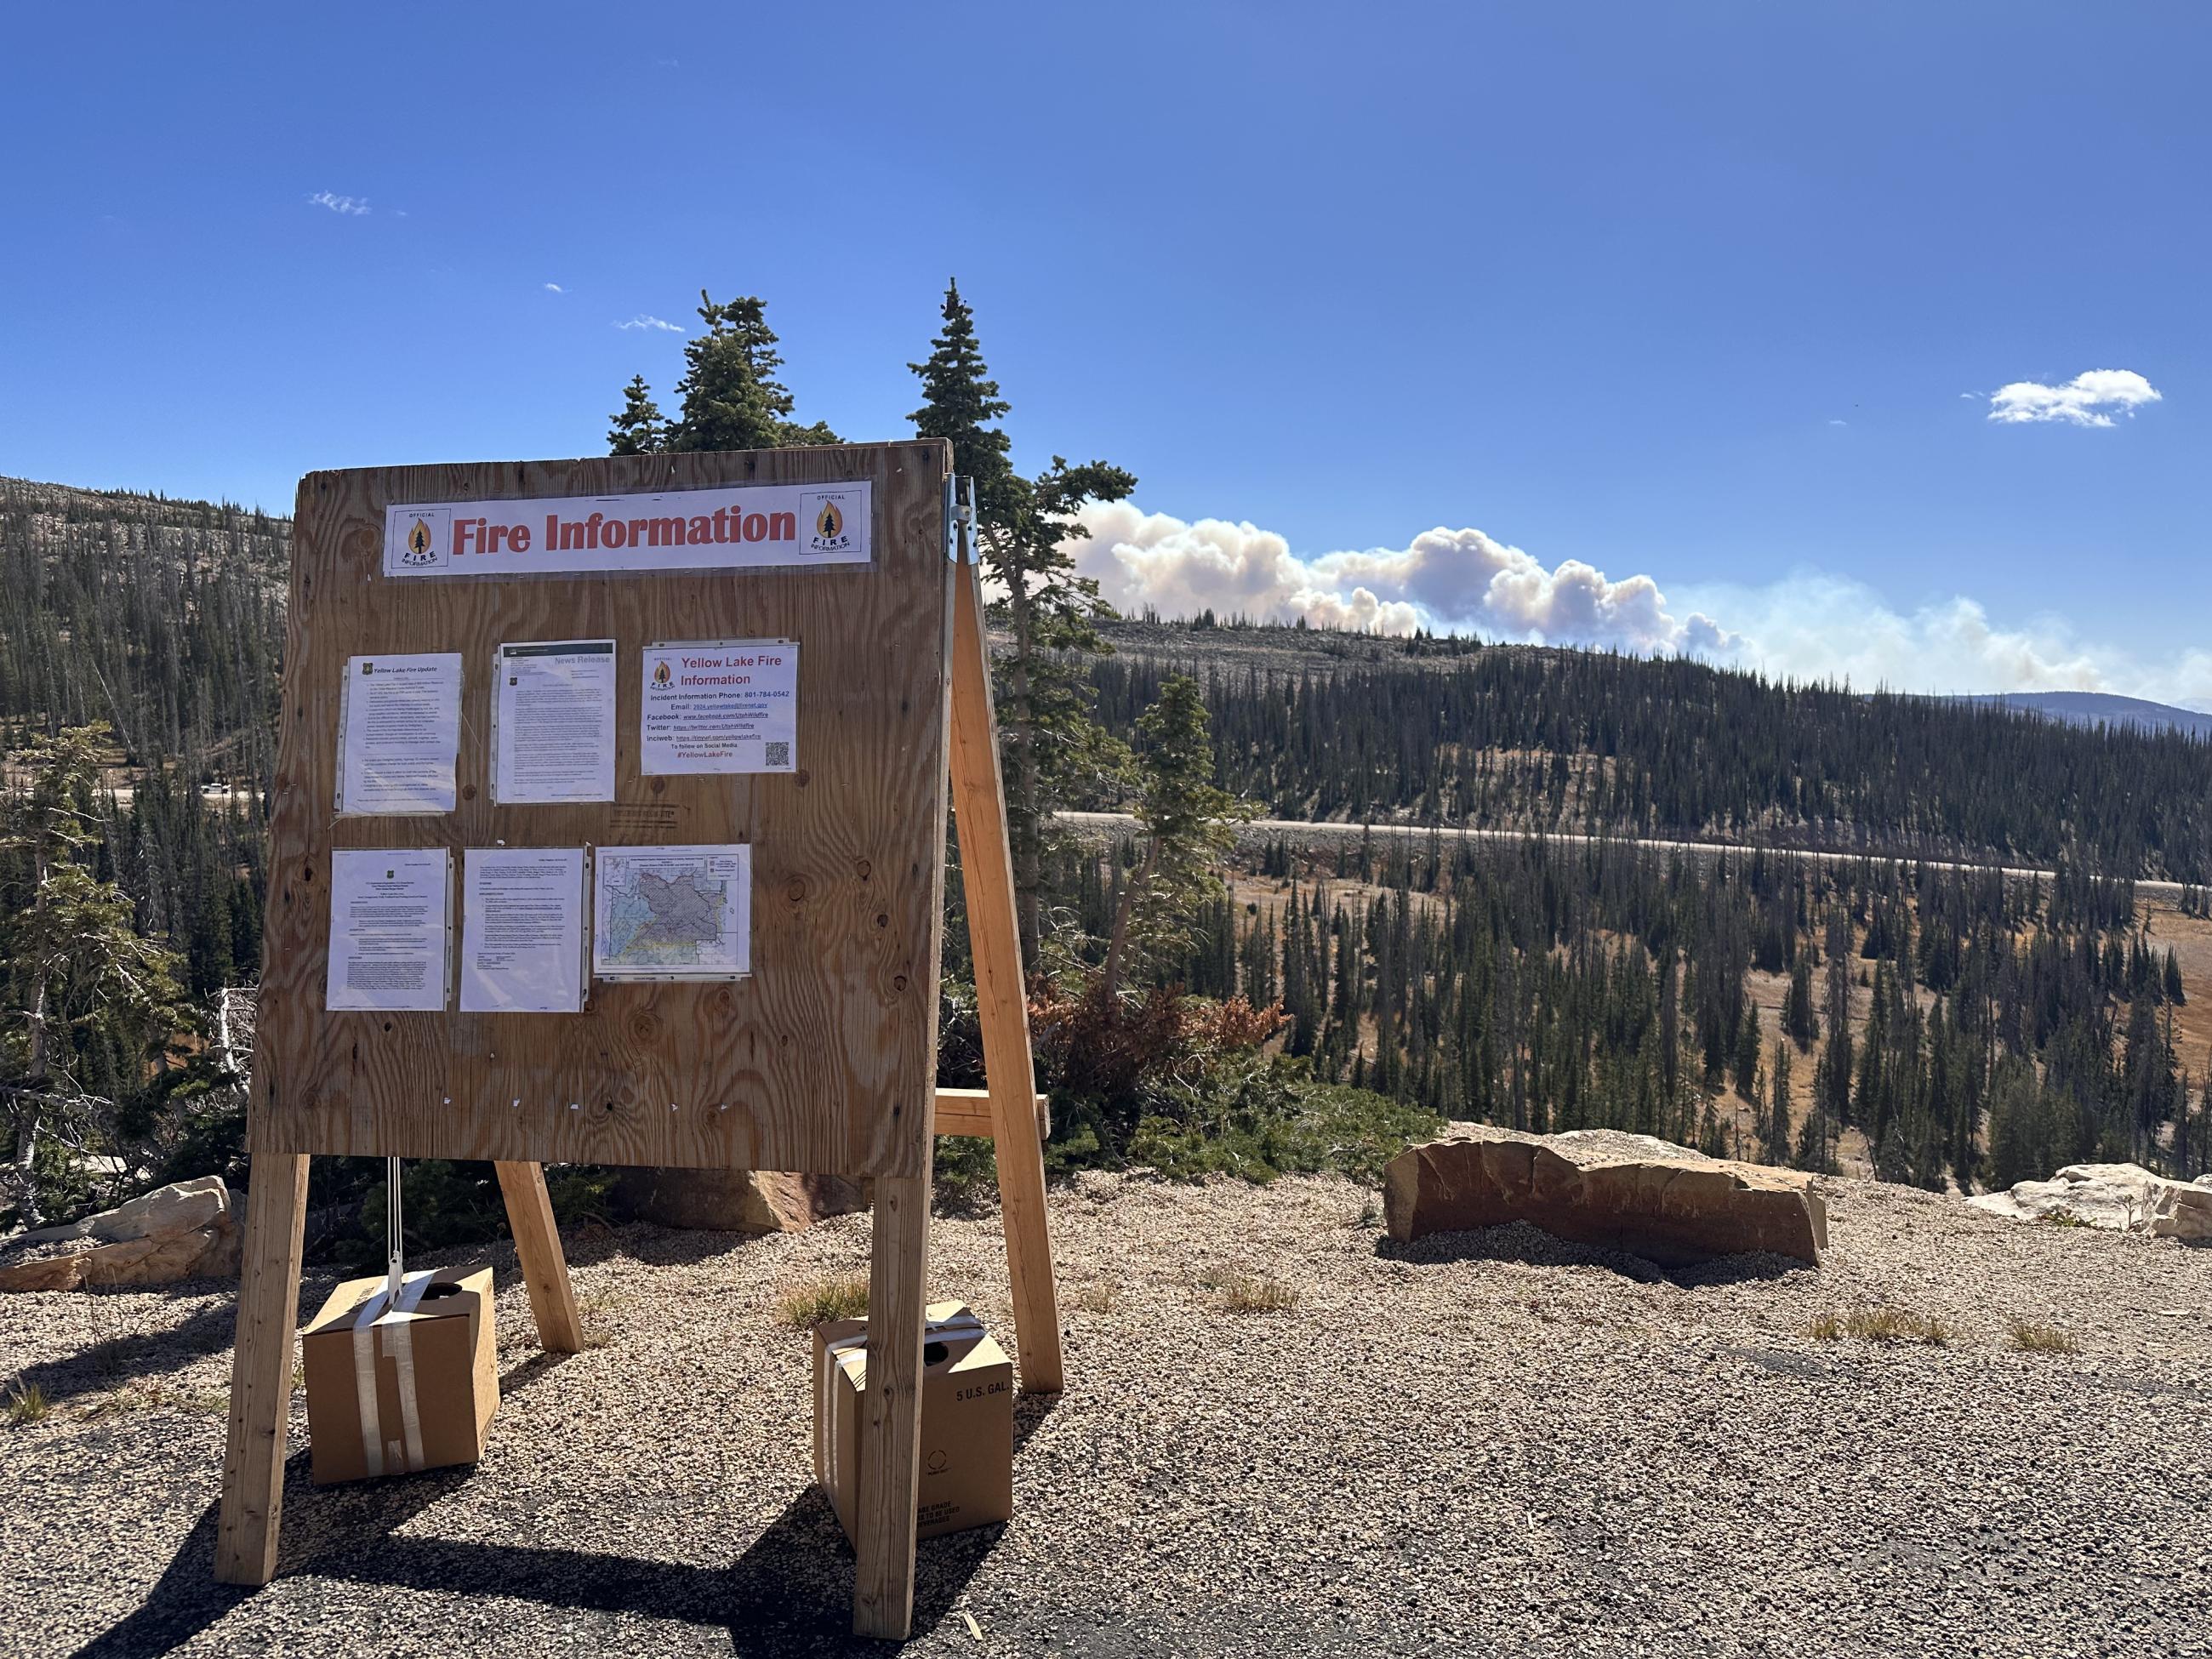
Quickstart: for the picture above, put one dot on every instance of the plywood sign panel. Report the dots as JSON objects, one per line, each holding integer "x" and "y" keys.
{"x": 823, "y": 1057}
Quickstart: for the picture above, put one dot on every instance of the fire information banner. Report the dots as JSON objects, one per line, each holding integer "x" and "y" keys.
{"x": 719, "y": 706}
{"x": 742, "y": 527}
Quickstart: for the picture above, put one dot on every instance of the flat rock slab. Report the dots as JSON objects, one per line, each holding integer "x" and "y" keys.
{"x": 2119, "y": 1197}
{"x": 174, "y": 1233}
{"x": 735, "y": 1201}
{"x": 1626, "y": 1192}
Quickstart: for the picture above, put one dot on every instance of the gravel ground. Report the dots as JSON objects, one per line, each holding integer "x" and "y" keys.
{"x": 1486, "y": 1442}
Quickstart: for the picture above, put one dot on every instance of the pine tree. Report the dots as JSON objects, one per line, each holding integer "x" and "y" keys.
{"x": 1186, "y": 828}
{"x": 638, "y": 427}
{"x": 1055, "y": 752}
{"x": 88, "y": 1001}
{"x": 1775, "y": 1130}
{"x": 961, "y": 403}
{"x": 729, "y": 396}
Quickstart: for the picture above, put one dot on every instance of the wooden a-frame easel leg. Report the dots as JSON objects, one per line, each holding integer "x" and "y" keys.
{"x": 261, "y": 1369}
{"x": 891, "y": 1432}
{"x": 537, "y": 1250}
{"x": 986, "y": 876}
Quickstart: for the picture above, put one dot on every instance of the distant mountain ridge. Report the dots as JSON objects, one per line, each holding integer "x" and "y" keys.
{"x": 2102, "y": 708}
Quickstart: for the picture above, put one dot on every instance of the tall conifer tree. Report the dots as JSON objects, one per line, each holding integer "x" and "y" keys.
{"x": 730, "y": 396}
{"x": 638, "y": 427}
{"x": 1055, "y": 752}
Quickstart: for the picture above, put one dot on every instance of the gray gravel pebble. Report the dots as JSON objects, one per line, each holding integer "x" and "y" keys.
{"x": 1486, "y": 1442}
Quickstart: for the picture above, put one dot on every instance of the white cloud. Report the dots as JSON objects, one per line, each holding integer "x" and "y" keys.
{"x": 1446, "y": 578}
{"x": 555, "y": 288}
{"x": 1807, "y": 626}
{"x": 2089, "y": 399}
{"x": 347, "y": 204}
{"x": 643, "y": 321}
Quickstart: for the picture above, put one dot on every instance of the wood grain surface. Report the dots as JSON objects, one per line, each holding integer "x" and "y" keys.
{"x": 261, "y": 1371}
{"x": 987, "y": 870}
{"x": 823, "y": 1059}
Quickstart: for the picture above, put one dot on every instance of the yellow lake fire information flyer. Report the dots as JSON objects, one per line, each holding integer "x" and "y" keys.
{"x": 719, "y": 706}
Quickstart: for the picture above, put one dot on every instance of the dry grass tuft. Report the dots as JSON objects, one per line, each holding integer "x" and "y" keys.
{"x": 1258, "y": 1293}
{"x": 592, "y": 1307}
{"x": 150, "y": 1396}
{"x": 1881, "y": 1324}
{"x": 28, "y": 1403}
{"x": 1100, "y": 1297}
{"x": 824, "y": 1300}
{"x": 2030, "y": 1338}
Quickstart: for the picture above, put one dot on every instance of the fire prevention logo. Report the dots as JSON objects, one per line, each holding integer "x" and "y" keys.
{"x": 660, "y": 675}
{"x": 832, "y": 530}
{"x": 416, "y": 539}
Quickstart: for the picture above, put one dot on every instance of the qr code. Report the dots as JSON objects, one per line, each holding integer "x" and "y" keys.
{"x": 779, "y": 754}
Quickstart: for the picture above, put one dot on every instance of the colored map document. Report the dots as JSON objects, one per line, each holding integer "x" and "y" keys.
{"x": 673, "y": 912}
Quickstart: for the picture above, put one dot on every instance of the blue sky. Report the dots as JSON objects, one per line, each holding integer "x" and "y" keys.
{"x": 1689, "y": 294}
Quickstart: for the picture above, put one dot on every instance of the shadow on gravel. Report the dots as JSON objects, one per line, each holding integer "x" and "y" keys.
{"x": 1519, "y": 1242}
{"x": 186, "y": 1600}
{"x": 789, "y": 1594}
{"x": 119, "y": 1359}
{"x": 515, "y": 1378}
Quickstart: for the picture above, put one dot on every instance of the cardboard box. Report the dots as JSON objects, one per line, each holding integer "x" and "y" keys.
{"x": 414, "y": 1387}
{"x": 966, "y": 1421}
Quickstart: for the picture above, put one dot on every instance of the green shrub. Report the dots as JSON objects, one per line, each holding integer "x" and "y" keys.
{"x": 1258, "y": 1117}
{"x": 824, "y": 1300}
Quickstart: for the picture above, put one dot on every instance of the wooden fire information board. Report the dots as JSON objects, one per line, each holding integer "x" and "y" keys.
{"x": 609, "y": 827}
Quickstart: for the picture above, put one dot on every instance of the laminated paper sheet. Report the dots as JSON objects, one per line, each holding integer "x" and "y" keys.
{"x": 389, "y": 936}
{"x": 400, "y": 724}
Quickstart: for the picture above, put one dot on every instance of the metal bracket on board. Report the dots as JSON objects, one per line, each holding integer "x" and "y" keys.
{"x": 959, "y": 517}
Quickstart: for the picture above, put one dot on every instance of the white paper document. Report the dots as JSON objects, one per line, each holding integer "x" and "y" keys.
{"x": 673, "y": 912}
{"x": 388, "y": 932}
{"x": 522, "y": 930}
{"x": 399, "y": 723}
{"x": 719, "y": 706}
{"x": 553, "y": 721}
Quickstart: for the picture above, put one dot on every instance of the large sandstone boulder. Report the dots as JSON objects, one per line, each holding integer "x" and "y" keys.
{"x": 735, "y": 1201}
{"x": 184, "y": 1231}
{"x": 2120, "y": 1197}
{"x": 1633, "y": 1193}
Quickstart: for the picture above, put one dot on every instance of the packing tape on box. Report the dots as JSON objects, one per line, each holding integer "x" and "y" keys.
{"x": 407, "y": 1450}
{"x": 848, "y": 1353}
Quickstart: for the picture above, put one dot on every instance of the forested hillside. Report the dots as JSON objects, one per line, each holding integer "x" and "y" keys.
{"x": 1929, "y": 1026}
{"x": 163, "y": 618}
{"x": 1934, "y": 1026}
{"x": 163, "y": 621}
{"x": 1449, "y": 730}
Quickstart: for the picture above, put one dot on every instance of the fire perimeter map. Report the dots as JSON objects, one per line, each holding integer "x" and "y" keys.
{"x": 673, "y": 912}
